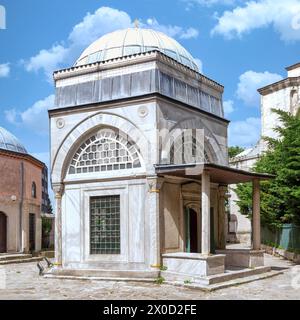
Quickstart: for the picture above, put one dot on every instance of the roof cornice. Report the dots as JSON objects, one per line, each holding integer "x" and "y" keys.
{"x": 282, "y": 84}
{"x": 136, "y": 99}
{"x": 292, "y": 67}
{"x": 23, "y": 156}
{"x": 154, "y": 55}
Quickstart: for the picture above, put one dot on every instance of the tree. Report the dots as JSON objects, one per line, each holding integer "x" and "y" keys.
{"x": 49, "y": 206}
{"x": 234, "y": 151}
{"x": 280, "y": 197}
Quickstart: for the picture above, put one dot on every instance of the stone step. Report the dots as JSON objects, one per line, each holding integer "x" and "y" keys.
{"x": 229, "y": 275}
{"x": 235, "y": 282}
{"x": 232, "y": 275}
{"x": 17, "y": 261}
{"x": 104, "y": 273}
{"x": 14, "y": 256}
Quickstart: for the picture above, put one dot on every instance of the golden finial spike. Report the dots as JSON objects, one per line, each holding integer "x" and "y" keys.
{"x": 136, "y": 23}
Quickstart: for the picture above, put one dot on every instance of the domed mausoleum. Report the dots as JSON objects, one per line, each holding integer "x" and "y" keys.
{"x": 135, "y": 41}
{"x": 139, "y": 163}
{"x": 23, "y": 196}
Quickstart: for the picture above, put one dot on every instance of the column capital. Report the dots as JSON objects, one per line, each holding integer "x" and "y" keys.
{"x": 155, "y": 183}
{"x": 58, "y": 190}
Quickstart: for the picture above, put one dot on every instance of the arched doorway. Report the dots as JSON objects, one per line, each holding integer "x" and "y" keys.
{"x": 191, "y": 230}
{"x": 3, "y": 232}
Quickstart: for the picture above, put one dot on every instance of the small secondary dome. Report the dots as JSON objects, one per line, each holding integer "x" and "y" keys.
{"x": 133, "y": 41}
{"x": 9, "y": 142}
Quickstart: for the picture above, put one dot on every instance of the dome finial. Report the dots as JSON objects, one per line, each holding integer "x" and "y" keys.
{"x": 136, "y": 23}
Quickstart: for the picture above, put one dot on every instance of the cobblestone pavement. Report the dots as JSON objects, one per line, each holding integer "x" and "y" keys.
{"x": 23, "y": 282}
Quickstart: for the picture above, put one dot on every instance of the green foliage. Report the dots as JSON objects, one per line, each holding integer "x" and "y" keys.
{"x": 46, "y": 226}
{"x": 163, "y": 268}
{"x": 280, "y": 197}
{"x": 187, "y": 281}
{"x": 49, "y": 206}
{"x": 234, "y": 151}
{"x": 160, "y": 280}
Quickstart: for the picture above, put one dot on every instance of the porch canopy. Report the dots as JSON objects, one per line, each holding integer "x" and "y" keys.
{"x": 212, "y": 173}
{"x": 218, "y": 174}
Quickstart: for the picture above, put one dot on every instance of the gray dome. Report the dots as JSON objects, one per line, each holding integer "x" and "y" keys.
{"x": 9, "y": 142}
{"x": 133, "y": 41}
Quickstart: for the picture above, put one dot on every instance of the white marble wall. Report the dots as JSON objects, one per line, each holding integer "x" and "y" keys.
{"x": 280, "y": 99}
{"x": 134, "y": 225}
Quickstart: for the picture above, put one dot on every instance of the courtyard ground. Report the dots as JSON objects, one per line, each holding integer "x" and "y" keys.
{"x": 23, "y": 282}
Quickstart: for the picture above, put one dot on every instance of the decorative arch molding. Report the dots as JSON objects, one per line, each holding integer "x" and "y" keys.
{"x": 84, "y": 129}
{"x": 212, "y": 148}
{"x": 193, "y": 204}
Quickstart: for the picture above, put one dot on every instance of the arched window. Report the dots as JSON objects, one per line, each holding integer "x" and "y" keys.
{"x": 105, "y": 151}
{"x": 33, "y": 190}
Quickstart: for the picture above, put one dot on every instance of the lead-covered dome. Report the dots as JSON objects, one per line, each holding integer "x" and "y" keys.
{"x": 9, "y": 142}
{"x": 133, "y": 41}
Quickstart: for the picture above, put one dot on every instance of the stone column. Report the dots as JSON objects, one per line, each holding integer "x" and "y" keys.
{"x": 222, "y": 226}
{"x": 58, "y": 189}
{"x": 155, "y": 184}
{"x": 256, "y": 215}
{"x": 205, "y": 204}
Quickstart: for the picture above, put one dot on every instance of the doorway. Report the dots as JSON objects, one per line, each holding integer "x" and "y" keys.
{"x": 3, "y": 232}
{"x": 31, "y": 232}
{"x": 191, "y": 231}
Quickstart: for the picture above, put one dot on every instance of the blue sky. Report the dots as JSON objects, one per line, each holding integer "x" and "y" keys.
{"x": 242, "y": 45}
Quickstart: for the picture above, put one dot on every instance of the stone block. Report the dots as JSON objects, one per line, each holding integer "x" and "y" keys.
{"x": 243, "y": 257}
{"x": 194, "y": 264}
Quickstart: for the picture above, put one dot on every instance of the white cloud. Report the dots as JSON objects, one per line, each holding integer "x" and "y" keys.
{"x": 228, "y": 107}
{"x": 172, "y": 31}
{"x": 4, "y": 70}
{"x": 92, "y": 27}
{"x": 209, "y": 3}
{"x": 282, "y": 15}
{"x": 48, "y": 60}
{"x": 250, "y": 81}
{"x": 35, "y": 117}
{"x": 244, "y": 133}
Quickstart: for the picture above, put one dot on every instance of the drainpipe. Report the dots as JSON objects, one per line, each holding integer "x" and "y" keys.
{"x": 21, "y": 244}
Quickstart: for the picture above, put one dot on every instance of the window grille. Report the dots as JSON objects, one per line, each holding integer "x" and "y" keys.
{"x": 105, "y": 151}
{"x": 105, "y": 225}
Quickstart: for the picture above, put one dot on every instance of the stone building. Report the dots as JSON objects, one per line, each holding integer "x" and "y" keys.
{"x": 139, "y": 163}
{"x": 282, "y": 95}
{"x": 20, "y": 197}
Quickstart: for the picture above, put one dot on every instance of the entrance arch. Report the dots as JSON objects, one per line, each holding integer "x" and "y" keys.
{"x": 3, "y": 232}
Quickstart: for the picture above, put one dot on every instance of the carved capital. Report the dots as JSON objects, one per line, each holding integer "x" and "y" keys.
{"x": 58, "y": 190}
{"x": 155, "y": 184}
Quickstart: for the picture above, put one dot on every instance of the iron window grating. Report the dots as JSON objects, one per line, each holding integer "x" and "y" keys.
{"x": 105, "y": 225}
